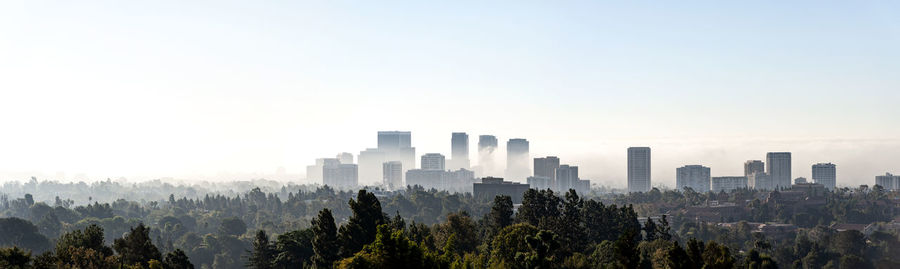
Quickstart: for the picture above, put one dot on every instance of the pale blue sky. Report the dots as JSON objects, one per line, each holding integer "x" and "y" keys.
{"x": 183, "y": 88}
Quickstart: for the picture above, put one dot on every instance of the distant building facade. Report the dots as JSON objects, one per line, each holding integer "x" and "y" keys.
{"x": 491, "y": 187}
{"x": 754, "y": 166}
{"x": 345, "y": 157}
{"x": 393, "y": 175}
{"x": 517, "y": 159}
{"x": 460, "y": 180}
{"x": 778, "y": 166}
{"x": 341, "y": 176}
{"x": 459, "y": 151}
{"x": 727, "y": 184}
{"x": 638, "y": 169}
{"x": 433, "y": 161}
{"x": 696, "y": 177}
{"x": 888, "y": 181}
{"x": 392, "y": 146}
{"x": 546, "y": 167}
{"x": 825, "y": 174}
{"x": 760, "y": 181}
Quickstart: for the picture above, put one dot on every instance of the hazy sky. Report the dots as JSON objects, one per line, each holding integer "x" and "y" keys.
{"x": 146, "y": 89}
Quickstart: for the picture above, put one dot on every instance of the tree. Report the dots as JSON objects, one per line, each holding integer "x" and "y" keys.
{"x": 21, "y": 233}
{"x": 650, "y": 230}
{"x": 136, "y": 247}
{"x": 325, "y": 241}
{"x": 261, "y": 255}
{"x": 717, "y": 256}
{"x": 83, "y": 245}
{"x": 462, "y": 227}
{"x": 293, "y": 249}
{"x": 501, "y": 213}
{"x": 510, "y": 241}
{"x": 177, "y": 259}
{"x": 849, "y": 242}
{"x": 363, "y": 225}
{"x": 392, "y": 250}
{"x": 572, "y": 231}
{"x": 14, "y": 258}
{"x": 542, "y": 245}
{"x": 663, "y": 230}
{"x": 233, "y": 226}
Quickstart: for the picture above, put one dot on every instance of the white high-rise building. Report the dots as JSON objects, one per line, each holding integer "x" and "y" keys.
{"x": 393, "y": 175}
{"x": 695, "y": 177}
{"x": 778, "y": 166}
{"x": 888, "y": 181}
{"x": 517, "y": 159}
{"x": 638, "y": 169}
{"x": 825, "y": 174}
{"x": 727, "y": 184}
{"x": 433, "y": 161}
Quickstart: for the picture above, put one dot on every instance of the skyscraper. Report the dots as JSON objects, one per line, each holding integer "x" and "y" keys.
{"x": 433, "y": 161}
{"x": 566, "y": 178}
{"x": 695, "y": 177}
{"x": 393, "y": 175}
{"x": 754, "y": 166}
{"x": 517, "y": 159}
{"x": 394, "y": 140}
{"x": 392, "y": 146}
{"x": 459, "y": 151}
{"x": 638, "y": 169}
{"x": 778, "y": 166}
{"x": 825, "y": 174}
{"x": 546, "y": 167}
{"x": 487, "y": 142}
{"x": 487, "y": 165}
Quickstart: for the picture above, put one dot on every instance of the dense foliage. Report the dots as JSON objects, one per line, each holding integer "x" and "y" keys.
{"x": 417, "y": 228}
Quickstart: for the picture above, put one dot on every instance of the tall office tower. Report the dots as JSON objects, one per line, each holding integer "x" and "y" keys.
{"x": 825, "y": 174}
{"x": 754, "y": 166}
{"x": 459, "y": 151}
{"x": 392, "y": 146}
{"x": 487, "y": 165}
{"x": 393, "y": 175}
{"x": 394, "y": 140}
{"x": 727, "y": 184}
{"x": 566, "y": 178}
{"x": 487, "y": 142}
{"x": 888, "y": 181}
{"x": 433, "y": 161}
{"x": 345, "y": 157}
{"x": 778, "y": 166}
{"x": 546, "y": 167}
{"x": 638, "y": 169}
{"x": 517, "y": 159}
{"x": 695, "y": 177}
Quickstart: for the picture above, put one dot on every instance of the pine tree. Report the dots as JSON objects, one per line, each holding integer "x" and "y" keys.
{"x": 501, "y": 213}
{"x": 261, "y": 255}
{"x": 136, "y": 247}
{"x": 325, "y": 242}
{"x": 363, "y": 225}
{"x": 177, "y": 259}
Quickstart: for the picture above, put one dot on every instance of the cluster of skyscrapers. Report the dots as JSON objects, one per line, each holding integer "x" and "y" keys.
{"x": 549, "y": 174}
{"x": 773, "y": 174}
{"x": 393, "y": 163}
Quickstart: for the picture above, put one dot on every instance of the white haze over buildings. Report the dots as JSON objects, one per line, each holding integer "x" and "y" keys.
{"x": 226, "y": 91}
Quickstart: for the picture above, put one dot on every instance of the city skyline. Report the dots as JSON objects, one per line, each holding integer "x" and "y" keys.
{"x": 233, "y": 91}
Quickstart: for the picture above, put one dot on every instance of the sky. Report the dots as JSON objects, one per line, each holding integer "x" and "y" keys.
{"x": 229, "y": 89}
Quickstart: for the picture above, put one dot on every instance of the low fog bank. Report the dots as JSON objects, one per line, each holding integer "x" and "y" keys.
{"x": 107, "y": 191}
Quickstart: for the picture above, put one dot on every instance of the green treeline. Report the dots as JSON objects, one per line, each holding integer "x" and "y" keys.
{"x": 429, "y": 229}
